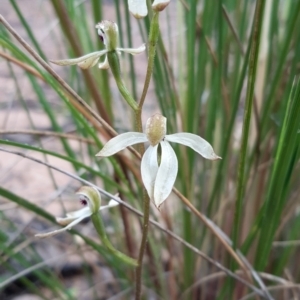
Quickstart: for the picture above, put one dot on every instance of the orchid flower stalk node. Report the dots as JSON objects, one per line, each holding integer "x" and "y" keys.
{"x": 158, "y": 178}
{"x": 109, "y": 34}
{"x": 139, "y": 7}
{"x": 90, "y": 198}
{"x": 160, "y": 5}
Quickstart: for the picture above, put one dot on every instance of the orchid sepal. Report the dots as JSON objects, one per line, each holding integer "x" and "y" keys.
{"x": 166, "y": 174}
{"x": 149, "y": 168}
{"x": 84, "y": 62}
{"x": 197, "y": 143}
{"x": 120, "y": 142}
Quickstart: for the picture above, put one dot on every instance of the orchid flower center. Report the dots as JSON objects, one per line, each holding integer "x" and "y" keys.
{"x": 156, "y": 128}
{"x": 101, "y": 38}
{"x": 83, "y": 201}
{"x": 108, "y": 33}
{"x": 100, "y": 32}
{"x": 89, "y": 196}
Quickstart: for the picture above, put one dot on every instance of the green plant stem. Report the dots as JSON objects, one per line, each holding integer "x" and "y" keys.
{"x": 98, "y": 224}
{"x": 152, "y": 42}
{"x": 114, "y": 64}
{"x": 253, "y": 59}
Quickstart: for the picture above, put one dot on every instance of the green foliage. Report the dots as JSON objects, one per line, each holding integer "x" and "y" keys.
{"x": 227, "y": 71}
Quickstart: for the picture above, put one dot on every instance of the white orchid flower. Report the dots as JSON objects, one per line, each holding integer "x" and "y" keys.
{"x": 158, "y": 178}
{"x": 90, "y": 198}
{"x": 139, "y": 7}
{"x": 109, "y": 34}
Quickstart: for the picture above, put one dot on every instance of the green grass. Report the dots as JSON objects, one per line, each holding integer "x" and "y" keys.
{"x": 227, "y": 71}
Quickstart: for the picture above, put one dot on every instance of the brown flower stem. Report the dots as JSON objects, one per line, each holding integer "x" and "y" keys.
{"x": 45, "y": 133}
{"x": 139, "y": 268}
{"x": 146, "y": 210}
{"x": 114, "y": 64}
{"x": 153, "y": 38}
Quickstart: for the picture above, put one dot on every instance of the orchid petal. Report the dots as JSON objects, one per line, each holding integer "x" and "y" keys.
{"x": 111, "y": 203}
{"x": 82, "y": 213}
{"x": 122, "y": 141}
{"x": 78, "y": 213}
{"x": 149, "y": 168}
{"x": 133, "y": 51}
{"x": 138, "y": 8}
{"x": 195, "y": 142}
{"x": 51, "y": 233}
{"x": 88, "y": 63}
{"x": 109, "y": 34}
{"x": 166, "y": 174}
{"x": 104, "y": 65}
{"x": 84, "y": 62}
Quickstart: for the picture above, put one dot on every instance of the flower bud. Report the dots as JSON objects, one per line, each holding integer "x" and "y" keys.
{"x": 156, "y": 128}
{"x": 159, "y": 5}
{"x": 90, "y": 196}
{"x": 138, "y": 8}
{"x": 109, "y": 34}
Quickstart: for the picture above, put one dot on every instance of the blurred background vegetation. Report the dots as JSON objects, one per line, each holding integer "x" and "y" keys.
{"x": 226, "y": 70}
